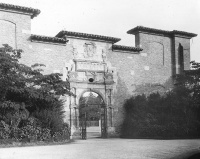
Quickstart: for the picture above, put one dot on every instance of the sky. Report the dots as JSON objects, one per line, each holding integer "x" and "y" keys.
{"x": 115, "y": 17}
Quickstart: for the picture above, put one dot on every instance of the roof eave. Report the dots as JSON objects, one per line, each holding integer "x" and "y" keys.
{"x": 48, "y": 39}
{"x": 20, "y": 9}
{"x": 142, "y": 29}
{"x": 183, "y": 34}
{"x": 126, "y": 48}
{"x": 68, "y": 34}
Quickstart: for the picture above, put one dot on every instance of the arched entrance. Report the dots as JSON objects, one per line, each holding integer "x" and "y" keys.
{"x": 92, "y": 80}
{"x": 92, "y": 115}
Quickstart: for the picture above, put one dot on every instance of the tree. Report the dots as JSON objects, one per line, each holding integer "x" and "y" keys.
{"x": 191, "y": 80}
{"x": 26, "y": 92}
{"x": 91, "y": 105}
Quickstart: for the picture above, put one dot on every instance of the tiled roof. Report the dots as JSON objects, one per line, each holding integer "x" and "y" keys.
{"x": 159, "y": 31}
{"x": 87, "y": 36}
{"x": 184, "y": 33}
{"x": 126, "y": 48}
{"x": 48, "y": 39}
{"x": 27, "y": 10}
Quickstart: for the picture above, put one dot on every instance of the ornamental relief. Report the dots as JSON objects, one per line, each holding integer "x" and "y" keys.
{"x": 89, "y": 51}
{"x": 89, "y": 62}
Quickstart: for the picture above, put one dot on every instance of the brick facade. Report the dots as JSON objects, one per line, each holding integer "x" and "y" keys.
{"x": 127, "y": 70}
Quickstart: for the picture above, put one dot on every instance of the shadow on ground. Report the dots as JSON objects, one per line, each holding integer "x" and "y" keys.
{"x": 195, "y": 156}
{"x": 189, "y": 155}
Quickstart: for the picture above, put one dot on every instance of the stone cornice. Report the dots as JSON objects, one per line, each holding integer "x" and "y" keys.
{"x": 159, "y": 31}
{"x": 15, "y": 8}
{"x": 48, "y": 39}
{"x": 63, "y": 33}
{"x": 126, "y": 48}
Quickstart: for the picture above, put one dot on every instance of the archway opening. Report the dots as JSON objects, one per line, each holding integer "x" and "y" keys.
{"x": 91, "y": 110}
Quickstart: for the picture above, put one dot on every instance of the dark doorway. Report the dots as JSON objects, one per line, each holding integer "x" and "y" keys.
{"x": 92, "y": 116}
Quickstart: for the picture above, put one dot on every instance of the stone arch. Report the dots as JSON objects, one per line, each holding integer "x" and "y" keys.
{"x": 92, "y": 114}
{"x": 92, "y": 90}
{"x": 8, "y": 33}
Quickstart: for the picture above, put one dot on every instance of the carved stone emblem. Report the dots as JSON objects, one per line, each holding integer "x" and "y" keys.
{"x": 89, "y": 49}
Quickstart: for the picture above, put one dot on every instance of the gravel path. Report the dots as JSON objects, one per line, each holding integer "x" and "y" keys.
{"x": 107, "y": 149}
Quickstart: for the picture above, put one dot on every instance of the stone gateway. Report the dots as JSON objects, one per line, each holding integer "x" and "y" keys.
{"x": 100, "y": 72}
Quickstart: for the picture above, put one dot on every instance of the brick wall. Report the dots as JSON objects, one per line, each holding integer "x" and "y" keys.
{"x": 16, "y": 29}
{"x": 150, "y": 70}
{"x": 53, "y": 56}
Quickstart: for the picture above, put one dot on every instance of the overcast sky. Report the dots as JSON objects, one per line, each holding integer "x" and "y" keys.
{"x": 115, "y": 17}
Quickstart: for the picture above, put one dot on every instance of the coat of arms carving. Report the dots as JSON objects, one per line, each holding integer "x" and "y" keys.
{"x": 89, "y": 49}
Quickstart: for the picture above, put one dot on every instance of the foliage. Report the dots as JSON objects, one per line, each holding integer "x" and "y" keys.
{"x": 191, "y": 80}
{"x": 170, "y": 116}
{"x": 30, "y": 132}
{"x": 26, "y": 133}
{"x": 173, "y": 115}
{"x": 91, "y": 105}
{"x": 19, "y": 82}
{"x": 61, "y": 135}
{"x": 51, "y": 118}
{"x": 29, "y": 100}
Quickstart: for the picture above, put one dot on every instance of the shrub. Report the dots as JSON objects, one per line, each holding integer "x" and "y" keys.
{"x": 4, "y": 134}
{"x": 45, "y": 135}
{"x": 155, "y": 116}
{"x": 25, "y": 92}
{"x": 29, "y": 132}
{"x": 51, "y": 117}
{"x": 61, "y": 136}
